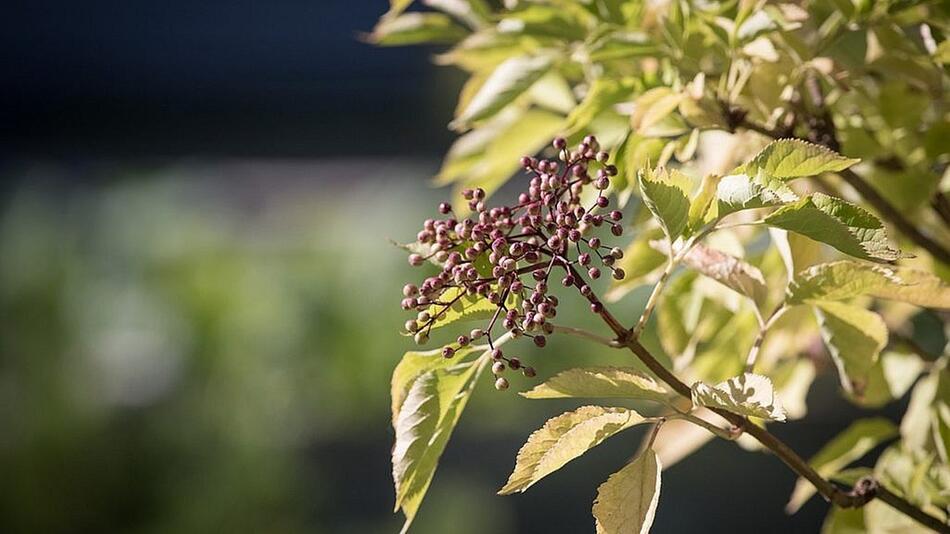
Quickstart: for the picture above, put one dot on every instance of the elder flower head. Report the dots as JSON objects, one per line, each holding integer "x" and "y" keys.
{"x": 508, "y": 254}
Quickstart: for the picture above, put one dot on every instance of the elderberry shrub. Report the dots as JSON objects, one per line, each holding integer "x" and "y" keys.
{"x": 500, "y": 252}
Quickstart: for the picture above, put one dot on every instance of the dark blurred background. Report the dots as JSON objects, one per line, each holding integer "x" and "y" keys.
{"x": 199, "y": 309}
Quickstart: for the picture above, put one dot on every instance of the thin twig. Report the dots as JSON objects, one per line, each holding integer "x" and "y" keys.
{"x": 760, "y": 337}
{"x": 570, "y": 330}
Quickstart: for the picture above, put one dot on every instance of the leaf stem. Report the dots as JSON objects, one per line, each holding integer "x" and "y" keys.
{"x": 570, "y": 330}
{"x": 760, "y": 338}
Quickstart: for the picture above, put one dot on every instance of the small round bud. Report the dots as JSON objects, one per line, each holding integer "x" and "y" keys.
{"x": 496, "y": 354}
{"x": 540, "y": 341}
{"x": 616, "y": 252}
{"x": 476, "y": 333}
{"x": 603, "y": 156}
{"x": 619, "y": 274}
{"x": 596, "y": 307}
{"x": 584, "y": 259}
{"x": 611, "y": 170}
{"x": 602, "y": 202}
{"x": 410, "y": 290}
{"x": 586, "y": 290}
{"x": 498, "y": 368}
{"x": 602, "y": 183}
{"x": 529, "y": 372}
{"x": 594, "y": 273}
{"x": 514, "y": 363}
{"x": 568, "y": 280}
{"x": 559, "y": 143}
{"x": 411, "y": 326}
{"x": 594, "y": 242}
{"x": 462, "y": 340}
{"x": 421, "y": 338}
{"x": 616, "y": 230}
{"x": 501, "y": 384}
{"x": 445, "y": 208}
{"x": 415, "y": 260}
{"x": 448, "y": 352}
{"x": 527, "y": 162}
{"x": 616, "y": 215}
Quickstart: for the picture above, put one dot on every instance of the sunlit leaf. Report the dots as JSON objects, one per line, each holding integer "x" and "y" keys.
{"x": 666, "y": 194}
{"x": 737, "y": 275}
{"x": 738, "y": 192}
{"x": 602, "y": 94}
{"x": 846, "y": 279}
{"x": 424, "y": 422}
{"x": 748, "y": 394}
{"x": 851, "y": 444}
{"x": 792, "y": 158}
{"x": 599, "y": 382}
{"x": 506, "y": 83}
{"x": 854, "y": 337}
{"x": 414, "y": 28}
{"x": 626, "y": 503}
{"x": 845, "y": 226}
{"x": 564, "y": 438}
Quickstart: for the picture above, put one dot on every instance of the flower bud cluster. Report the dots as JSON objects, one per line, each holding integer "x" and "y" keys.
{"x": 508, "y": 254}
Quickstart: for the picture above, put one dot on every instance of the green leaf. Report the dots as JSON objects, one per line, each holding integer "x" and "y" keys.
{"x": 639, "y": 260}
{"x": 415, "y": 28}
{"x": 737, "y": 275}
{"x": 846, "y": 279}
{"x": 604, "y": 92}
{"x": 423, "y": 424}
{"x": 787, "y": 159}
{"x": 397, "y": 6}
{"x": 748, "y": 394}
{"x": 844, "y": 521}
{"x": 738, "y": 192}
{"x": 599, "y": 382}
{"x": 627, "y": 501}
{"x": 889, "y": 379}
{"x": 699, "y": 208}
{"x": 416, "y": 363}
{"x": 621, "y": 45}
{"x": 916, "y": 423}
{"x": 845, "y": 226}
{"x": 528, "y": 134}
{"x": 854, "y": 337}
{"x": 507, "y": 82}
{"x": 654, "y": 110}
{"x": 553, "y": 92}
{"x": 666, "y": 194}
{"x": 464, "y": 307}
{"x": 564, "y": 438}
{"x": 633, "y": 154}
{"x": 851, "y": 444}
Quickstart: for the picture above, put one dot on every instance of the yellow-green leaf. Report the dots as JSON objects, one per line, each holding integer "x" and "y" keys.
{"x": 429, "y": 412}
{"x": 599, "y": 382}
{"x": 564, "y": 438}
{"x": 738, "y": 192}
{"x": 415, "y": 28}
{"x": 846, "y": 279}
{"x": 739, "y": 276}
{"x": 854, "y": 337}
{"x": 748, "y": 394}
{"x": 851, "y": 444}
{"x": 626, "y": 503}
{"x": 792, "y": 158}
{"x": 845, "y": 226}
{"x": 666, "y": 194}
{"x": 507, "y": 82}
